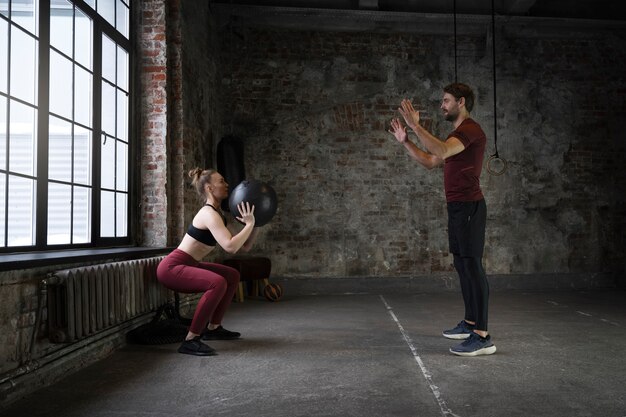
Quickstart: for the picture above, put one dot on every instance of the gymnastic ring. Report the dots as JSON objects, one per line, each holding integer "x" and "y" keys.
{"x": 496, "y": 158}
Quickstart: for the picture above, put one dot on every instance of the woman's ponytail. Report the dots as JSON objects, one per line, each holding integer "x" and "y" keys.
{"x": 199, "y": 178}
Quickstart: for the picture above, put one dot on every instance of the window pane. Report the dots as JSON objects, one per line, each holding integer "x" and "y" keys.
{"x": 122, "y": 69}
{"x": 25, "y": 14}
{"x": 4, "y": 55}
{"x": 121, "y": 219}
{"x": 108, "y": 108}
{"x": 59, "y": 213}
{"x": 60, "y": 85}
{"x": 107, "y": 214}
{"x": 61, "y": 20}
{"x": 71, "y": 143}
{"x": 108, "y": 59}
{"x": 107, "y": 171}
{"x": 22, "y": 129}
{"x": 122, "y": 18}
{"x": 23, "y": 66}
{"x": 84, "y": 40}
{"x": 82, "y": 155}
{"x": 122, "y": 115}
{"x": 2, "y": 213}
{"x": 106, "y": 9}
{"x": 82, "y": 217}
{"x": 122, "y": 170}
{"x": 60, "y": 151}
{"x": 21, "y": 219}
{"x": 82, "y": 96}
{"x": 3, "y": 134}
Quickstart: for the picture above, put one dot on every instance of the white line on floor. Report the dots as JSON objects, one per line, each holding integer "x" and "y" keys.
{"x": 445, "y": 410}
{"x": 582, "y": 313}
{"x": 610, "y": 322}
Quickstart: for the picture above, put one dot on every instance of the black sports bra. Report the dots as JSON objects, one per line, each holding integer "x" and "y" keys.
{"x": 204, "y": 235}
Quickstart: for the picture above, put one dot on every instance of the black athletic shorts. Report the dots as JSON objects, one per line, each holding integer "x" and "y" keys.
{"x": 466, "y": 227}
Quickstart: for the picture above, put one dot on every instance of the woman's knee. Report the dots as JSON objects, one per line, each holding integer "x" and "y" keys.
{"x": 219, "y": 286}
{"x": 232, "y": 275}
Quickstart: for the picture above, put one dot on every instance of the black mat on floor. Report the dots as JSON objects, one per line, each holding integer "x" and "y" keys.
{"x": 167, "y": 326}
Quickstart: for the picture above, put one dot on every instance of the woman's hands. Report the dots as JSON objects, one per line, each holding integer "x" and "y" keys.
{"x": 247, "y": 213}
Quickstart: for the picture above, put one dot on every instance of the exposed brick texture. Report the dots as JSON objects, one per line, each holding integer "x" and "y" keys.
{"x": 178, "y": 113}
{"x": 313, "y": 108}
{"x": 154, "y": 149}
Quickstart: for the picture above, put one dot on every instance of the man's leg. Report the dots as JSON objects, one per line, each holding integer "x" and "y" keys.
{"x": 456, "y": 216}
{"x": 472, "y": 241}
{"x": 479, "y": 289}
{"x": 466, "y": 288}
{"x": 479, "y": 342}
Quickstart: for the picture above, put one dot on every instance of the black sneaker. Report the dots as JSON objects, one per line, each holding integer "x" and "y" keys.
{"x": 475, "y": 345}
{"x": 196, "y": 347}
{"x": 461, "y": 331}
{"x": 220, "y": 333}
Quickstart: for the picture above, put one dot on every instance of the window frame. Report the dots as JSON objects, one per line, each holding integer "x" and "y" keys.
{"x": 100, "y": 27}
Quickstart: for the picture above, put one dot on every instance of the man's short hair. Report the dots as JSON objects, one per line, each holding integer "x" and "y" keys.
{"x": 459, "y": 90}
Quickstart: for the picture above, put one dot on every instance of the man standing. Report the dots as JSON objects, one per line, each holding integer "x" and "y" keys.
{"x": 462, "y": 155}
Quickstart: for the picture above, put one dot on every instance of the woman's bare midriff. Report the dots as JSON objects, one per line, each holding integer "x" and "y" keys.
{"x": 194, "y": 248}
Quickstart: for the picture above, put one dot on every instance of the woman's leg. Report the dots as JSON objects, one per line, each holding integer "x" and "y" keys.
{"x": 185, "y": 278}
{"x": 231, "y": 277}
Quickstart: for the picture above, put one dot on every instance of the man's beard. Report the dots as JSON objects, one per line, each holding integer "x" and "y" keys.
{"x": 451, "y": 116}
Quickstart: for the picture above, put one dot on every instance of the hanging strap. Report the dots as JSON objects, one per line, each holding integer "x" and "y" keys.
{"x": 493, "y": 55}
{"x": 495, "y": 158}
{"x": 456, "y": 78}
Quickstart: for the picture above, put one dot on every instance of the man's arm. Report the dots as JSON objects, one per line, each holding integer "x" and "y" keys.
{"x": 439, "y": 148}
{"x": 426, "y": 159}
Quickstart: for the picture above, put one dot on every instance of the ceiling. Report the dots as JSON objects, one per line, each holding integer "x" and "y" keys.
{"x": 607, "y": 10}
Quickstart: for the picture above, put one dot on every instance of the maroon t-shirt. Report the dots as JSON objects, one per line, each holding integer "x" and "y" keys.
{"x": 461, "y": 172}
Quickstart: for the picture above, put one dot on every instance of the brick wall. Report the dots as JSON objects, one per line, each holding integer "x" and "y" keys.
{"x": 178, "y": 96}
{"x": 153, "y": 72}
{"x": 200, "y": 119}
{"x": 312, "y": 108}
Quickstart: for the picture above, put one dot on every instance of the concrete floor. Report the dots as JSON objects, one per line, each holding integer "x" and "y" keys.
{"x": 560, "y": 353}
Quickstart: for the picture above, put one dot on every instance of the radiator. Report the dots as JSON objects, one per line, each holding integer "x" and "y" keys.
{"x": 83, "y": 301}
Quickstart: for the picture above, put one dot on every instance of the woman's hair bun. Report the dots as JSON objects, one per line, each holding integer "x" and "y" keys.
{"x": 195, "y": 173}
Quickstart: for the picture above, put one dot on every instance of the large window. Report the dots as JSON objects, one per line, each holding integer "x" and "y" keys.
{"x": 64, "y": 123}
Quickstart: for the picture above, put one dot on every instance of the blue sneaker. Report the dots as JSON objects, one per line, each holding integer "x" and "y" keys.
{"x": 475, "y": 345}
{"x": 461, "y": 331}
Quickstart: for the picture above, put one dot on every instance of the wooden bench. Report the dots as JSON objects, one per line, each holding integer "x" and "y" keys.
{"x": 252, "y": 270}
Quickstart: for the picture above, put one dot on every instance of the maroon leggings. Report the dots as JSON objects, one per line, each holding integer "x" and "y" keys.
{"x": 180, "y": 272}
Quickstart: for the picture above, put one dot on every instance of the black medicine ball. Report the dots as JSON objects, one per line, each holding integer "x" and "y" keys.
{"x": 257, "y": 193}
